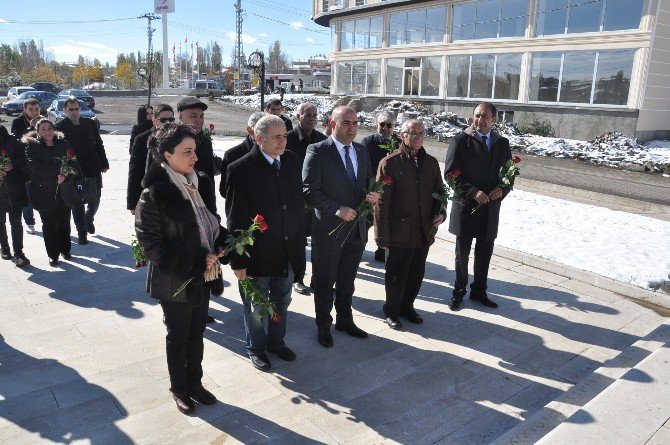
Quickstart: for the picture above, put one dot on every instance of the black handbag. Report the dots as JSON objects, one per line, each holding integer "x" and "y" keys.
{"x": 79, "y": 191}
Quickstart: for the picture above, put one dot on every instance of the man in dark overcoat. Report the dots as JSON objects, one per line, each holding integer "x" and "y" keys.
{"x": 267, "y": 182}
{"x": 335, "y": 175}
{"x": 478, "y": 152}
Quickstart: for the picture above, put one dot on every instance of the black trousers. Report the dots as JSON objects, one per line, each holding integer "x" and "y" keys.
{"x": 56, "y": 231}
{"x": 184, "y": 340}
{"x": 483, "y": 253}
{"x": 405, "y": 268}
{"x": 335, "y": 265}
{"x": 16, "y": 229}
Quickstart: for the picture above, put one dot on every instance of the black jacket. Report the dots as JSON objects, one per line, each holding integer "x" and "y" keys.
{"x": 372, "y": 142}
{"x": 44, "y": 166}
{"x": 252, "y": 188}
{"x": 138, "y": 129}
{"x": 287, "y": 122}
{"x": 87, "y": 144}
{"x": 479, "y": 171}
{"x": 21, "y": 126}
{"x": 231, "y": 155}
{"x": 297, "y": 141}
{"x": 167, "y": 230}
{"x": 12, "y": 190}
{"x": 137, "y": 167}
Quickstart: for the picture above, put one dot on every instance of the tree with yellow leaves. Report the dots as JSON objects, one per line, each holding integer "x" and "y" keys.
{"x": 124, "y": 72}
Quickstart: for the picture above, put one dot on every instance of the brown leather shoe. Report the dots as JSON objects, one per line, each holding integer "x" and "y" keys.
{"x": 201, "y": 395}
{"x": 184, "y": 402}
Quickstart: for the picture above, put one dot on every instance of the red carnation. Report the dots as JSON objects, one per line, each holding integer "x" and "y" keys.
{"x": 137, "y": 265}
{"x": 144, "y": 263}
{"x": 70, "y": 153}
{"x": 516, "y": 159}
{"x": 5, "y": 152}
{"x": 263, "y": 226}
{"x": 259, "y": 219}
{"x": 276, "y": 318}
{"x": 388, "y": 180}
{"x": 211, "y": 127}
{"x": 455, "y": 173}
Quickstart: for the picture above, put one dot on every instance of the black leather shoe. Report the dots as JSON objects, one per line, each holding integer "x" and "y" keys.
{"x": 324, "y": 337}
{"x": 380, "y": 255}
{"x": 301, "y": 288}
{"x": 455, "y": 303}
{"x": 261, "y": 362}
{"x": 82, "y": 240}
{"x": 412, "y": 317}
{"x": 351, "y": 329}
{"x": 90, "y": 228}
{"x": 201, "y": 395}
{"x": 483, "y": 299}
{"x": 66, "y": 255}
{"x": 394, "y": 323}
{"x": 53, "y": 262}
{"x": 284, "y": 353}
{"x": 184, "y": 403}
{"x": 209, "y": 319}
{"x": 6, "y": 254}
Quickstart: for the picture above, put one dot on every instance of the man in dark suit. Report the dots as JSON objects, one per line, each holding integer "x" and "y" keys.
{"x": 297, "y": 141}
{"x": 274, "y": 106}
{"x": 373, "y": 142}
{"x": 234, "y": 153}
{"x": 478, "y": 153}
{"x": 335, "y": 174}
{"x": 267, "y": 181}
{"x": 84, "y": 137}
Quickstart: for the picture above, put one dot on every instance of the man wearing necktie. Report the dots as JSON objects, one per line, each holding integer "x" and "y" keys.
{"x": 335, "y": 174}
{"x": 478, "y": 152}
{"x": 267, "y": 181}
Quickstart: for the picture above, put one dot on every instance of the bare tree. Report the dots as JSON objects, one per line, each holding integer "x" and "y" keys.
{"x": 277, "y": 61}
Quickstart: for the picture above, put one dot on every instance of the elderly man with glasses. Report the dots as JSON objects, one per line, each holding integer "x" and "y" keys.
{"x": 84, "y": 137}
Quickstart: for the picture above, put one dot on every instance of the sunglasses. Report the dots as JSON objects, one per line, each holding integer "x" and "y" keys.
{"x": 382, "y": 124}
{"x": 166, "y": 119}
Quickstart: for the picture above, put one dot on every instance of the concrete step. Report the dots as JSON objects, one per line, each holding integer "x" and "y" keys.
{"x": 626, "y": 394}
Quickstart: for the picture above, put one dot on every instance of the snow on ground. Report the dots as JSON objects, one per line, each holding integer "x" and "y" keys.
{"x": 324, "y": 103}
{"x": 623, "y": 246}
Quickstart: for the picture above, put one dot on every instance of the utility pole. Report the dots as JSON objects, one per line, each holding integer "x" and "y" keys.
{"x": 238, "y": 48}
{"x": 150, "y": 51}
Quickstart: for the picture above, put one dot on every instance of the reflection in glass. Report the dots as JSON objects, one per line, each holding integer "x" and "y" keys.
{"x": 508, "y": 76}
{"x": 397, "y": 27}
{"x": 374, "y": 77}
{"x": 416, "y": 20}
{"x": 513, "y": 18}
{"x": 481, "y": 76}
{"x": 585, "y": 16}
{"x": 435, "y": 24}
{"x": 394, "y": 69}
{"x": 430, "y": 76}
{"x": 457, "y": 76}
{"x": 344, "y": 77}
{"x": 544, "y": 76}
{"x": 376, "y": 31}
{"x": 613, "y": 77}
{"x": 486, "y": 21}
{"x": 358, "y": 76}
{"x": 347, "y": 35}
{"x": 361, "y": 33}
{"x": 463, "y": 27}
{"x": 622, "y": 14}
{"x": 577, "y": 77}
{"x": 551, "y": 17}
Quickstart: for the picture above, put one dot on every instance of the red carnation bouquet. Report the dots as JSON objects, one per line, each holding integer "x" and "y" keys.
{"x": 208, "y": 132}
{"x": 507, "y": 173}
{"x": 451, "y": 192}
{"x": 67, "y": 166}
{"x": 364, "y": 208}
{"x": 4, "y": 162}
{"x": 137, "y": 253}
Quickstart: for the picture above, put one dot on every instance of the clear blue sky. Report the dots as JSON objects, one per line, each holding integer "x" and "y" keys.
{"x": 201, "y": 21}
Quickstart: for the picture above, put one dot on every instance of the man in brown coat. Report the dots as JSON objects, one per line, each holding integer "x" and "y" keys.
{"x": 406, "y": 219}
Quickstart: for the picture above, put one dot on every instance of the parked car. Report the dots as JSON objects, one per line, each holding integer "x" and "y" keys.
{"x": 15, "y": 92}
{"x": 208, "y": 88}
{"x": 250, "y": 91}
{"x": 16, "y": 105}
{"x": 46, "y": 86}
{"x": 56, "y": 112}
{"x": 81, "y": 95}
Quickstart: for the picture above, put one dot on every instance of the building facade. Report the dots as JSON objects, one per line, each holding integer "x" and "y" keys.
{"x": 587, "y": 66}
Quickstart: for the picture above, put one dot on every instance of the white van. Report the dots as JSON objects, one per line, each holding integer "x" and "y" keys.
{"x": 208, "y": 88}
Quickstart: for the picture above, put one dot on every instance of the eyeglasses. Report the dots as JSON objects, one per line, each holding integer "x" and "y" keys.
{"x": 385, "y": 124}
{"x": 166, "y": 119}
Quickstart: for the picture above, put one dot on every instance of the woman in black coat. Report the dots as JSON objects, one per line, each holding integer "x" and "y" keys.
{"x": 144, "y": 123}
{"x": 13, "y": 197}
{"x": 44, "y": 151}
{"x": 180, "y": 235}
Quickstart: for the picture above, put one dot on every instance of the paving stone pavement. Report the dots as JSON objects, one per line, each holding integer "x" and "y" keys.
{"x": 82, "y": 355}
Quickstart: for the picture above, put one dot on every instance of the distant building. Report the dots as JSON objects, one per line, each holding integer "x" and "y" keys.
{"x": 587, "y": 66}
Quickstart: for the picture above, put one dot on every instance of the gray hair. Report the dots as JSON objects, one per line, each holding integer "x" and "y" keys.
{"x": 263, "y": 126}
{"x": 303, "y": 106}
{"x": 386, "y": 114}
{"x": 254, "y": 118}
{"x": 404, "y": 128}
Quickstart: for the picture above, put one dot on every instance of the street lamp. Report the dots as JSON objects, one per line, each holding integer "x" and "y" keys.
{"x": 142, "y": 71}
{"x": 257, "y": 63}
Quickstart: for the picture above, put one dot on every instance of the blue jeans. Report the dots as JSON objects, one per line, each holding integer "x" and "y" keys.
{"x": 28, "y": 213}
{"x": 83, "y": 216}
{"x": 258, "y": 340}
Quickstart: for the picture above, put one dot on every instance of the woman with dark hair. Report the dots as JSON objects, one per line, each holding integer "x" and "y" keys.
{"x": 182, "y": 238}
{"x": 45, "y": 150}
{"x": 144, "y": 123}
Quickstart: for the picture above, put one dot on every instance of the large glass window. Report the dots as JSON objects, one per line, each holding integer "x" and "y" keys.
{"x": 394, "y": 69}
{"x": 575, "y": 16}
{"x": 362, "y": 33}
{"x": 484, "y": 76}
{"x": 376, "y": 32}
{"x": 576, "y": 71}
{"x": 430, "y": 76}
{"x": 486, "y": 19}
{"x": 358, "y": 77}
{"x": 374, "y": 77}
{"x": 347, "y": 35}
{"x": 417, "y": 26}
{"x": 343, "y": 77}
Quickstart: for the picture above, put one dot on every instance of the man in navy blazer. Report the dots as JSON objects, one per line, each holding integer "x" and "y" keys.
{"x": 335, "y": 175}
